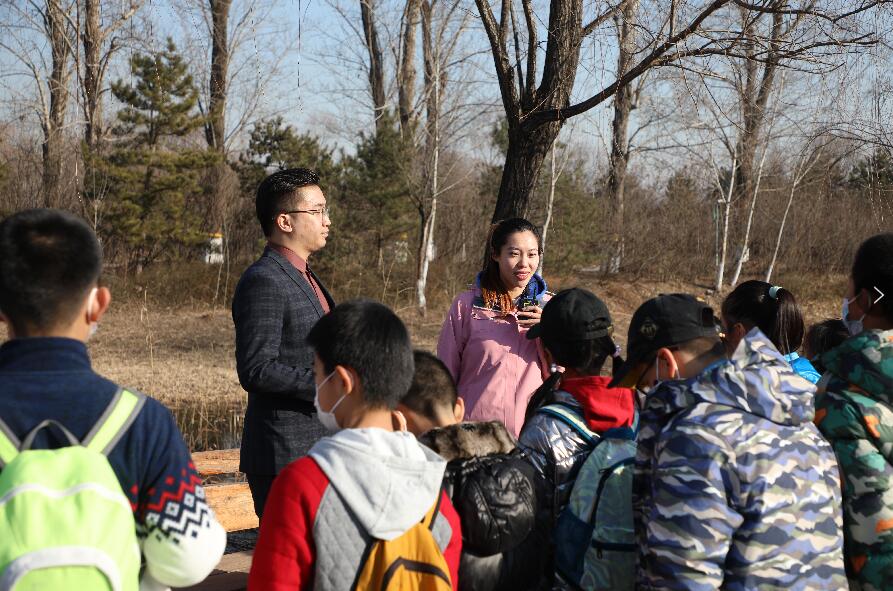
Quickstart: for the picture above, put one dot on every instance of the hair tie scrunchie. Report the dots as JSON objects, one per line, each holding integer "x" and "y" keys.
{"x": 773, "y": 291}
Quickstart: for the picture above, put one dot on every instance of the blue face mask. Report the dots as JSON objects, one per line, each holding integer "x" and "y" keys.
{"x": 854, "y": 327}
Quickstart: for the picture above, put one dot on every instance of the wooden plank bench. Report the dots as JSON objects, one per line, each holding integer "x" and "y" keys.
{"x": 234, "y": 509}
{"x": 231, "y": 502}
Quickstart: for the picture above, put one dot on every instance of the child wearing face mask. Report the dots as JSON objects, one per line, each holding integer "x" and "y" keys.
{"x": 735, "y": 488}
{"x": 366, "y": 505}
{"x": 854, "y": 411}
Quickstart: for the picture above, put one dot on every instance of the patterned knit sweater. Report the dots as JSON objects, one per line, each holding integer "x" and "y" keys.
{"x": 51, "y": 378}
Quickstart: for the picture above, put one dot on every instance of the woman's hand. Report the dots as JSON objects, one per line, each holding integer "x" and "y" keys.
{"x": 529, "y": 316}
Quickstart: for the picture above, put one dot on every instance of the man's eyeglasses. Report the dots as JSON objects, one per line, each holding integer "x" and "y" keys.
{"x": 323, "y": 212}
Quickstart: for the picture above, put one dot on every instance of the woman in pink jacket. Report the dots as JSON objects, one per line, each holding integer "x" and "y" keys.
{"x": 483, "y": 341}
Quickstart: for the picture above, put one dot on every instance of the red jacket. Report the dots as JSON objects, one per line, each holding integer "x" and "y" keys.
{"x": 288, "y": 550}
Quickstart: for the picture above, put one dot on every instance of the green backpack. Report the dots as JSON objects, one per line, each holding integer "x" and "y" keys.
{"x": 66, "y": 522}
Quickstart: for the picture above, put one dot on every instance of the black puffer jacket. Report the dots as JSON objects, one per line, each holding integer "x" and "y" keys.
{"x": 495, "y": 492}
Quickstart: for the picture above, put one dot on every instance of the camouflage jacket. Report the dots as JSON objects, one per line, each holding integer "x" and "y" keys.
{"x": 854, "y": 410}
{"x": 735, "y": 487}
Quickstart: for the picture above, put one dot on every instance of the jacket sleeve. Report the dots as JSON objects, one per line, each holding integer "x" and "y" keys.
{"x": 453, "y": 552}
{"x": 453, "y": 336}
{"x": 258, "y": 315}
{"x": 285, "y": 553}
{"x": 691, "y": 519}
{"x": 181, "y": 540}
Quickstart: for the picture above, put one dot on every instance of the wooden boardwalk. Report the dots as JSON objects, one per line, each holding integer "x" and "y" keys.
{"x": 232, "y": 504}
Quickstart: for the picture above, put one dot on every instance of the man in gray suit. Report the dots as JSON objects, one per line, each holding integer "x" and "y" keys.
{"x": 276, "y": 303}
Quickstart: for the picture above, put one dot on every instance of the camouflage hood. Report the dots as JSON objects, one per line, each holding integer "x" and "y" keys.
{"x": 865, "y": 361}
{"x": 756, "y": 380}
{"x": 734, "y": 487}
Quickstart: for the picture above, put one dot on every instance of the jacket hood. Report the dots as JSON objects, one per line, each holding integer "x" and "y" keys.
{"x": 756, "y": 380}
{"x": 865, "y": 361}
{"x": 388, "y": 480}
{"x": 603, "y": 407}
{"x": 536, "y": 287}
{"x": 464, "y": 441}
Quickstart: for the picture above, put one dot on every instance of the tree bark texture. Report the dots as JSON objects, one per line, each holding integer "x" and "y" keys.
{"x": 623, "y": 105}
{"x": 215, "y": 131}
{"x": 92, "y": 42}
{"x": 376, "y": 60}
{"x": 428, "y": 205}
{"x": 57, "y": 31}
{"x": 406, "y": 81}
{"x": 528, "y": 145}
{"x": 753, "y": 98}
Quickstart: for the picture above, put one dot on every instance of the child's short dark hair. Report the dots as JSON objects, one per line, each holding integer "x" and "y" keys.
{"x": 824, "y": 336}
{"x": 369, "y": 338}
{"x": 49, "y": 259}
{"x": 432, "y": 387}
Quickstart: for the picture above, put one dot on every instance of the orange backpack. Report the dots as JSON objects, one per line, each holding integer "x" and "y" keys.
{"x": 410, "y": 562}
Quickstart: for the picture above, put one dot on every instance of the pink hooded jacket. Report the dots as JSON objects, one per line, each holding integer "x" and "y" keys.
{"x": 495, "y": 367}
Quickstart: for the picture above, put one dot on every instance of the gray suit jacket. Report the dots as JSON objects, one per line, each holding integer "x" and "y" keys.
{"x": 274, "y": 308}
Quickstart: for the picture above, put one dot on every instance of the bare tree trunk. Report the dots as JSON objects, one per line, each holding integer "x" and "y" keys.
{"x": 57, "y": 30}
{"x": 523, "y": 161}
{"x": 529, "y": 141}
{"x": 431, "y": 57}
{"x": 92, "y": 41}
{"x": 553, "y": 180}
{"x": 376, "y": 60}
{"x": 407, "y": 74}
{"x": 745, "y": 243}
{"x": 724, "y": 244}
{"x": 623, "y": 105}
{"x": 96, "y": 59}
{"x": 754, "y": 97}
{"x": 803, "y": 166}
{"x": 784, "y": 219}
{"x": 215, "y": 131}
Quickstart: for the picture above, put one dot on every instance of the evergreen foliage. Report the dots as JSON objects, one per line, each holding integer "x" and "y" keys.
{"x": 153, "y": 195}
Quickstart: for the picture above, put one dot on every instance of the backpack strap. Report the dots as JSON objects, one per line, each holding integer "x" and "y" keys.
{"x": 114, "y": 422}
{"x": 9, "y": 444}
{"x": 572, "y": 419}
{"x": 432, "y": 514}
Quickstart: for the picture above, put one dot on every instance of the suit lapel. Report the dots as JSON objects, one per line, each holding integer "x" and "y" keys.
{"x": 295, "y": 276}
{"x": 325, "y": 292}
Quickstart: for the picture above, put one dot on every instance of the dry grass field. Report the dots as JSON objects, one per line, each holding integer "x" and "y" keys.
{"x": 184, "y": 355}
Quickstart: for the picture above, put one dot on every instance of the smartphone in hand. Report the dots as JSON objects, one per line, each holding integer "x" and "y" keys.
{"x": 524, "y": 304}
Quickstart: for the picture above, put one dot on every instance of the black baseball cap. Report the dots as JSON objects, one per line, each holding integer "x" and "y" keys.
{"x": 664, "y": 321}
{"x": 573, "y": 315}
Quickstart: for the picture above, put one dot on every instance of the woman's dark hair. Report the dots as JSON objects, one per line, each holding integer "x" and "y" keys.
{"x": 493, "y": 292}
{"x": 824, "y": 336}
{"x": 773, "y": 309}
{"x": 873, "y": 267}
{"x": 585, "y": 357}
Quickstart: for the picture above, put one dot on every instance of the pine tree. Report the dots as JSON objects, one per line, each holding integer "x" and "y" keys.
{"x": 274, "y": 146}
{"x": 377, "y": 194}
{"x": 154, "y": 199}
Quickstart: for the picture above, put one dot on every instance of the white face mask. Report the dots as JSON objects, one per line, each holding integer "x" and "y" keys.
{"x": 854, "y": 327}
{"x": 327, "y": 417}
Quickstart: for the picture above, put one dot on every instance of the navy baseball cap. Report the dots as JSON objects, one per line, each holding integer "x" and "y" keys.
{"x": 664, "y": 321}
